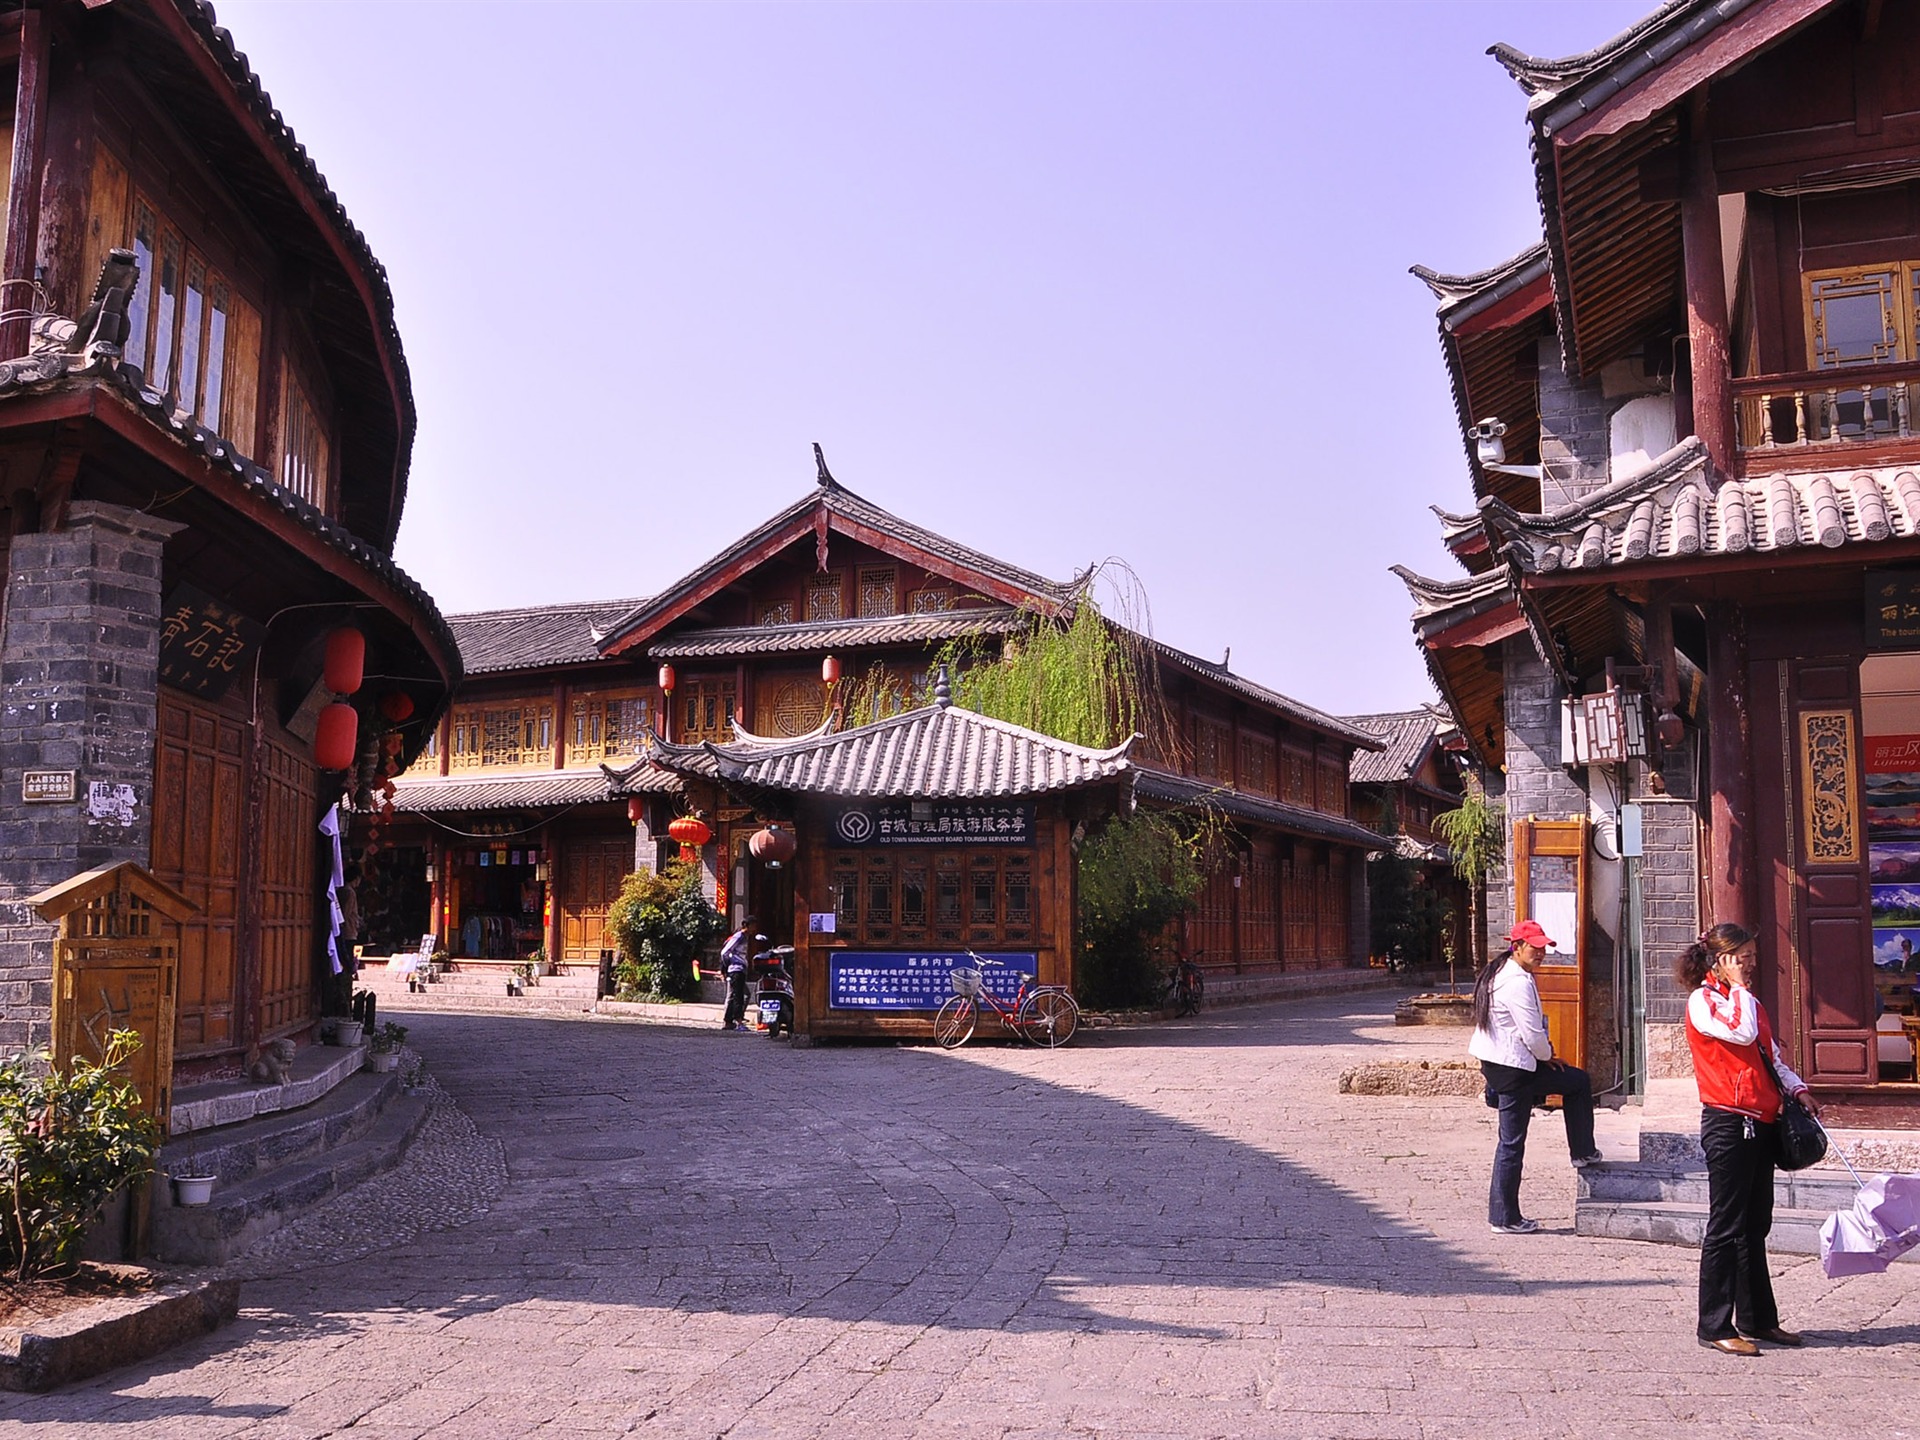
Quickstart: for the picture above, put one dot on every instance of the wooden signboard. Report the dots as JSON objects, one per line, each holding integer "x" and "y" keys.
{"x": 1550, "y": 886}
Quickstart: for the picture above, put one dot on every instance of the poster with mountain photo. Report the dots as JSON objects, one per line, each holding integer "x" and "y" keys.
{"x": 1893, "y": 787}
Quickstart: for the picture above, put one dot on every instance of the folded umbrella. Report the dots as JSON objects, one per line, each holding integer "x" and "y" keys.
{"x": 1882, "y": 1225}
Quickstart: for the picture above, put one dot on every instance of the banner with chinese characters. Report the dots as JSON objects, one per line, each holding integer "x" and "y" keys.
{"x": 916, "y": 980}
{"x": 203, "y": 643}
{"x": 939, "y": 822}
{"x": 1893, "y": 609}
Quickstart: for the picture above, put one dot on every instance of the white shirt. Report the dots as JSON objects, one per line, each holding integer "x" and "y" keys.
{"x": 1518, "y": 1037}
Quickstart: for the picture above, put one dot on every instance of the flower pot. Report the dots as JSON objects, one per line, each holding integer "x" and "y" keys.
{"x": 383, "y": 1060}
{"x": 346, "y": 1033}
{"x": 193, "y": 1189}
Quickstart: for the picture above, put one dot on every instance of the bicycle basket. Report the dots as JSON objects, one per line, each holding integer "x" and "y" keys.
{"x": 966, "y": 981}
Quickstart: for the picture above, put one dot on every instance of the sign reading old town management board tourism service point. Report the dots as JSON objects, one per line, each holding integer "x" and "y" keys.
{"x": 895, "y": 980}
{"x": 935, "y": 822}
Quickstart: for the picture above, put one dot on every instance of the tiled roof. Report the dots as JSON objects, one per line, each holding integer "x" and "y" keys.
{"x": 939, "y": 751}
{"x": 1407, "y": 734}
{"x": 1462, "y": 296}
{"x": 642, "y": 777}
{"x": 1543, "y": 77}
{"x": 535, "y": 635}
{"x": 1240, "y": 685}
{"x": 839, "y": 634}
{"x": 513, "y": 792}
{"x": 1452, "y": 600}
{"x": 828, "y": 500}
{"x": 1165, "y": 786}
{"x": 1674, "y": 513}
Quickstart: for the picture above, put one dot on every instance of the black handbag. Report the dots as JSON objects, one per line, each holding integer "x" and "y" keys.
{"x": 1799, "y": 1138}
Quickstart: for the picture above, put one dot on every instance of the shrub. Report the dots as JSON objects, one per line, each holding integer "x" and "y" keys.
{"x": 1138, "y": 874}
{"x": 662, "y": 923}
{"x": 68, "y": 1140}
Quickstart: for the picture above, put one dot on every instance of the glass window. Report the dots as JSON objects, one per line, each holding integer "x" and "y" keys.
{"x": 1854, "y": 317}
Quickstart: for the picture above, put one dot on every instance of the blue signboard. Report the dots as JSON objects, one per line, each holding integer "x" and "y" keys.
{"x": 937, "y": 822}
{"x": 915, "y": 979}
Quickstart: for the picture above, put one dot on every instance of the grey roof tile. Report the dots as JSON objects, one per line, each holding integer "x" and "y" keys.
{"x": 531, "y": 636}
{"x": 1407, "y": 733}
{"x": 1239, "y": 684}
{"x": 504, "y": 792}
{"x": 1164, "y": 785}
{"x": 839, "y": 634}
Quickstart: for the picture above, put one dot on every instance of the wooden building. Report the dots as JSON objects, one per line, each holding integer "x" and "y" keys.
{"x": 1683, "y": 644}
{"x": 1397, "y": 792}
{"x": 202, "y": 468}
{"x": 511, "y": 815}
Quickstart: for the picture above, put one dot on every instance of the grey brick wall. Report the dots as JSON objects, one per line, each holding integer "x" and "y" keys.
{"x": 1670, "y": 921}
{"x": 1573, "y": 433}
{"x": 79, "y": 667}
{"x": 1535, "y": 784}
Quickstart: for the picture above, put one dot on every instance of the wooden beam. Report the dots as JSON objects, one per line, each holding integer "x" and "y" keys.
{"x": 1710, "y": 355}
{"x": 1732, "y": 892}
{"x": 23, "y": 194}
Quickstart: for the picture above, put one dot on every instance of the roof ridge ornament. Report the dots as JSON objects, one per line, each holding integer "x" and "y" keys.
{"x": 942, "y": 690}
{"x": 823, "y": 477}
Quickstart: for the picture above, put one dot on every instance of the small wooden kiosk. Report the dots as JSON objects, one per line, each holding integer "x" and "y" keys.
{"x": 920, "y": 838}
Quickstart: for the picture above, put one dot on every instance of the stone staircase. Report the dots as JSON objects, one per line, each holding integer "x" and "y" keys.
{"x": 1658, "y": 1192}
{"x": 481, "y": 985}
{"x": 277, "y": 1151}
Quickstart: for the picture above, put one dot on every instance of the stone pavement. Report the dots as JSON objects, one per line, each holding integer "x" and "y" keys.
{"x": 1179, "y": 1230}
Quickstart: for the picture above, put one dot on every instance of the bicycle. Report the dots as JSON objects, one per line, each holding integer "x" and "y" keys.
{"x": 1043, "y": 1014}
{"x": 1186, "y": 984}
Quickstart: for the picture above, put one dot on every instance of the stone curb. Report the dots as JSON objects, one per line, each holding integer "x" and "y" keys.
{"x": 114, "y": 1332}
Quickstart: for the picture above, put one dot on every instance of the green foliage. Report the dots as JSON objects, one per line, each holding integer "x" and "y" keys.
{"x": 1076, "y": 679}
{"x": 1405, "y": 914}
{"x": 662, "y": 923}
{"x": 1138, "y": 874}
{"x": 390, "y": 1036}
{"x": 67, "y": 1142}
{"x": 1476, "y": 837}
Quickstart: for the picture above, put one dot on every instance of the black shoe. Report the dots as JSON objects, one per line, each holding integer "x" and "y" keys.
{"x": 1580, "y": 1162}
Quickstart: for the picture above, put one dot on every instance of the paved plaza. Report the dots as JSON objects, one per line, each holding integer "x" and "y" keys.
{"x": 1177, "y": 1230}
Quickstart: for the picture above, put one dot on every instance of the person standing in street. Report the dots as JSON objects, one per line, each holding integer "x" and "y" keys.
{"x": 1732, "y": 1043}
{"x": 1511, "y": 1043}
{"x": 736, "y": 955}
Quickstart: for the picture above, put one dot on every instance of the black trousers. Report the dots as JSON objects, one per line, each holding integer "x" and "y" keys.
{"x": 736, "y": 1010}
{"x": 1515, "y": 1092}
{"x": 1735, "y": 1288}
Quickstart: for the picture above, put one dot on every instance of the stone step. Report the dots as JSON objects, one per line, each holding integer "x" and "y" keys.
{"x": 1820, "y": 1188}
{"x": 488, "y": 1002}
{"x": 384, "y": 984}
{"x": 243, "y": 1213}
{"x": 235, "y": 1153}
{"x": 1674, "y": 1222}
{"x": 317, "y": 1069}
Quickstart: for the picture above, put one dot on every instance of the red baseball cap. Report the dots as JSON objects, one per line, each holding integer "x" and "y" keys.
{"x": 1529, "y": 932}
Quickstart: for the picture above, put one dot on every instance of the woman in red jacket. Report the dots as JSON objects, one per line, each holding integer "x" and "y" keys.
{"x": 1731, "y": 1039}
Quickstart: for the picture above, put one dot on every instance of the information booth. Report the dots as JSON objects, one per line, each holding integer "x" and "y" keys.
{"x": 922, "y": 840}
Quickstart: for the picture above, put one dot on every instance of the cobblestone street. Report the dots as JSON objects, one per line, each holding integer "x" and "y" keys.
{"x": 1175, "y": 1230}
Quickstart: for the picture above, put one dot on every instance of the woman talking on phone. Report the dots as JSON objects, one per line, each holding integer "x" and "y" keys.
{"x": 1732, "y": 1043}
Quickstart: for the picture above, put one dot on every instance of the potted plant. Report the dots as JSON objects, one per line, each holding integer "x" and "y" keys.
{"x": 344, "y": 1031}
{"x": 383, "y": 1047}
{"x": 192, "y": 1185}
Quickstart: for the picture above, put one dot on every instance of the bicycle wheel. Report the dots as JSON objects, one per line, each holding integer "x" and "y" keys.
{"x": 1049, "y": 1018}
{"x": 1191, "y": 994}
{"x": 954, "y": 1024}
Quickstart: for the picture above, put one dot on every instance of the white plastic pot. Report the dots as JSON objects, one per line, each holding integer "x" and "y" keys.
{"x": 193, "y": 1189}
{"x": 346, "y": 1033}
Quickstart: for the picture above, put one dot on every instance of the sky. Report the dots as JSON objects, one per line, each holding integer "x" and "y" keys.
{"x": 1065, "y": 282}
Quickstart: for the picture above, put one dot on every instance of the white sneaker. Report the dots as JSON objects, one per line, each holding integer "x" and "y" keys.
{"x": 1518, "y": 1227}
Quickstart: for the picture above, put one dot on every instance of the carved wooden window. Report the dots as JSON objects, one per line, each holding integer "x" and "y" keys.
{"x": 958, "y": 897}
{"x": 794, "y": 705}
{"x": 607, "y": 727}
{"x": 501, "y": 737}
{"x": 188, "y": 331}
{"x": 427, "y": 762}
{"x": 302, "y": 448}
{"x": 777, "y": 612}
{"x": 706, "y": 711}
{"x": 879, "y": 595}
{"x": 930, "y": 600}
{"x": 825, "y": 597}
{"x": 1333, "y": 789}
{"x": 1299, "y": 790}
{"x": 1256, "y": 765}
{"x": 1859, "y": 317}
{"x": 1212, "y": 757}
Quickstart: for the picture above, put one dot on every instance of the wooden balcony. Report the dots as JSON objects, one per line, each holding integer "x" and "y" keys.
{"x": 1868, "y": 406}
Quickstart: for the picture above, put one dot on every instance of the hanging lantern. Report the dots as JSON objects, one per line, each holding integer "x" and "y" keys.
{"x": 691, "y": 834}
{"x": 636, "y": 809}
{"x": 830, "y": 670}
{"x": 396, "y": 705}
{"x": 666, "y": 678}
{"x": 334, "y": 736}
{"x": 772, "y": 846}
{"x": 346, "y": 660}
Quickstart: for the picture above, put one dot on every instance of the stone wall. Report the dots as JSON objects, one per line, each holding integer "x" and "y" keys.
{"x": 1573, "y": 433}
{"x": 1670, "y": 921}
{"x": 1536, "y": 785}
{"x": 79, "y": 668}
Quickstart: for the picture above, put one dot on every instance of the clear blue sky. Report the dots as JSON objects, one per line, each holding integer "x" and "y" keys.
{"x": 1062, "y": 281}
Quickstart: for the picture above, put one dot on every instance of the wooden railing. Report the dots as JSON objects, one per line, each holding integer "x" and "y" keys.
{"x": 1826, "y": 407}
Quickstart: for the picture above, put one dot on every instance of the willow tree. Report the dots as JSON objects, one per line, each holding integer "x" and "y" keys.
{"x": 1476, "y": 845}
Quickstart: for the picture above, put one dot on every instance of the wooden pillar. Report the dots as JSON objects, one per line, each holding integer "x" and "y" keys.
{"x": 1732, "y": 891}
{"x": 23, "y": 195}
{"x": 550, "y": 898}
{"x": 1711, "y": 355}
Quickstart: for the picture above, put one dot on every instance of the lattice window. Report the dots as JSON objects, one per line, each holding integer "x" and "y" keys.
{"x": 427, "y": 762}
{"x": 1333, "y": 788}
{"x": 826, "y": 598}
{"x": 879, "y": 594}
{"x": 957, "y": 897}
{"x": 931, "y": 600}
{"x": 1299, "y": 790}
{"x": 502, "y": 737}
{"x": 706, "y": 711}
{"x": 1256, "y": 765}
{"x": 796, "y": 704}
{"x": 1212, "y": 758}
{"x": 1857, "y": 317}
{"x": 302, "y": 444}
{"x": 607, "y": 727}
{"x": 777, "y": 612}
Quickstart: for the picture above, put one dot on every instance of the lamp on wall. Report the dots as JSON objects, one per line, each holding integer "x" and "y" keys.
{"x": 830, "y": 670}
{"x": 666, "y": 678}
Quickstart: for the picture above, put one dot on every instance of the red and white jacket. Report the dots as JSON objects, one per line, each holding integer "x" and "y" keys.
{"x": 1728, "y": 1031}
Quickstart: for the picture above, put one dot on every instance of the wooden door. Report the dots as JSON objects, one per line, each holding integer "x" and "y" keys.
{"x": 289, "y": 885}
{"x": 198, "y": 786}
{"x": 1550, "y": 886}
{"x": 1817, "y": 940}
{"x": 1259, "y": 892}
{"x": 592, "y": 868}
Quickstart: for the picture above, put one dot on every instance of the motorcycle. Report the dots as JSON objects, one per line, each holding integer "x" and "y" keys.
{"x": 775, "y": 993}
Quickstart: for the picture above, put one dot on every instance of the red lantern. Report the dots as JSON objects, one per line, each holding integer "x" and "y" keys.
{"x": 336, "y": 736}
{"x": 636, "y": 809}
{"x": 666, "y": 678}
{"x": 346, "y": 660}
{"x": 691, "y": 834}
{"x": 396, "y": 705}
{"x": 773, "y": 846}
{"x": 830, "y": 670}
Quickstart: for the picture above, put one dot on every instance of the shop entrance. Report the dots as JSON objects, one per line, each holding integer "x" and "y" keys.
{"x": 1890, "y": 720}
{"x": 500, "y": 900}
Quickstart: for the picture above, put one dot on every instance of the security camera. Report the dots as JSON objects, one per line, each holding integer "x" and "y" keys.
{"x": 1488, "y": 445}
